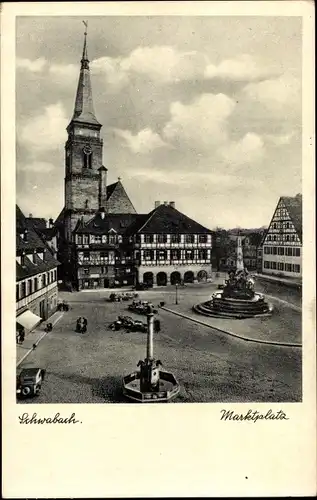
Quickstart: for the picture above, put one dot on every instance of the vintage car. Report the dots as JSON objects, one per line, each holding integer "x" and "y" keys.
{"x": 129, "y": 324}
{"x": 142, "y": 307}
{"x": 118, "y": 297}
{"x": 29, "y": 382}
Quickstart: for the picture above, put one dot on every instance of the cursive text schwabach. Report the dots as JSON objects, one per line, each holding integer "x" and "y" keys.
{"x": 253, "y": 415}
{"x": 25, "y": 418}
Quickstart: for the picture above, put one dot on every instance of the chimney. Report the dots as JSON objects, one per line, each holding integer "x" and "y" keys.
{"x": 102, "y": 212}
{"x": 51, "y": 222}
{"x": 172, "y": 204}
{"x": 102, "y": 198}
{"x": 157, "y": 204}
{"x": 30, "y": 216}
{"x": 166, "y": 203}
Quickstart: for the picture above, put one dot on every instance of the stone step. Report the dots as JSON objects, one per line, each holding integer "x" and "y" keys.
{"x": 207, "y": 310}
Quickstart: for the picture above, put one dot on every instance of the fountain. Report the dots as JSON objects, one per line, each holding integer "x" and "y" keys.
{"x": 150, "y": 384}
{"x": 237, "y": 299}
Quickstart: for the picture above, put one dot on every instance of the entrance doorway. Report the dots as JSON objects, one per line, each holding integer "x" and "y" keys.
{"x": 161, "y": 279}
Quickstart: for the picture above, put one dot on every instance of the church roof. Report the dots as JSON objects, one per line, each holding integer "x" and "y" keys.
{"x": 293, "y": 204}
{"x": 119, "y": 201}
{"x": 84, "y": 109}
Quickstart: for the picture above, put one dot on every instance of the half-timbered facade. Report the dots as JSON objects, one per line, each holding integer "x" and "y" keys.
{"x": 159, "y": 248}
{"x": 36, "y": 274}
{"x": 282, "y": 245}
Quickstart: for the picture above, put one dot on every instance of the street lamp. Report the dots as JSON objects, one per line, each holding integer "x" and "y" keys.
{"x": 176, "y": 297}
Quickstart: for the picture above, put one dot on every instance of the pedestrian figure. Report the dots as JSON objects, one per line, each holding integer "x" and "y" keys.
{"x": 22, "y": 336}
{"x": 157, "y": 325}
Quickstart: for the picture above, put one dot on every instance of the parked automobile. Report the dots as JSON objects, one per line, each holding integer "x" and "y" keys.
{"x": 144, "y": 307}
{"x": 29, "y": 382}
{"x": 129, "y": 324}
{"x": 117, "y": 297}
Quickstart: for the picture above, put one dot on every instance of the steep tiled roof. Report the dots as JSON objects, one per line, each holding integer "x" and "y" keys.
{"x": 167, "y": 219}
{"x": 293, "y": 205}
{"x": 39, "y": 266}
{"x": 30, "y": 243}
{"x": 111, "y": 188}
{"x": 36, "y": 222}
{"x": 119, "y": 222}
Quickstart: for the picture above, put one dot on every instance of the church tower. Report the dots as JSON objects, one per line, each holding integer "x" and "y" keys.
{"x": 85, "y": 176}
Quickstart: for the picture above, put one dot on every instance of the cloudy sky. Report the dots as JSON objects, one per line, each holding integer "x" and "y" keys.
{"x": 205, "y": 111}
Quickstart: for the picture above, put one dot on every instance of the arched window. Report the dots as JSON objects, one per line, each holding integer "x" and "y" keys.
{"x": 87, "y": 157}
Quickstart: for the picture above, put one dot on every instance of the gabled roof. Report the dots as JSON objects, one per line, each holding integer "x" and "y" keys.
{"x": 29, "y": 269}
{"x": 118, "y": 200}
{"x": 119, "y": 222}
{"x": 167, "y": 219}
{"x": 38, "y": 222}
{"x": 293, "y": 204}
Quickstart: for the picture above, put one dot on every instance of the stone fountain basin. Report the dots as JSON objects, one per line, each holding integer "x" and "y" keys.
{"x": 219, "y": 295}
{"x": 169, "y": 388}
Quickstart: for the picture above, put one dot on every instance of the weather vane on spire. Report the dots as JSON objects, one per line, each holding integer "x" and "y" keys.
{"x": 84, "y": 60}
{"x": 86, "y": 26}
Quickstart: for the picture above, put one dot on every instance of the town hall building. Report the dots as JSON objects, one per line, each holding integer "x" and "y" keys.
{"x": 102, "y": 241}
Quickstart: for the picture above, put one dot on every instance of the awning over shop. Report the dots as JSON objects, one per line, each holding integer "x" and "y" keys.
{"x": 28, "y": 319}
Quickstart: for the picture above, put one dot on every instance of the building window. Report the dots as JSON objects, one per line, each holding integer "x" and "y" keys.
{"x": 202, "y": 238}
{"x": 189, "y": 238}
{"x": 296, "y": 268}
{"x": 287, "y": 237}
{"x": 85, "y": 239}
{"x": 55, "y": 275}
{"x": 266, "y": 264}
{"x": 280, "y": 251}
{"x": 161, "y": 238}
{"x": 79, "y": 239}
{"x": 103, "y": 256}
{"x": 23, "y": 289}
{"x": 86, "y": 256}
{"x": 148, "y": 255}
{"x": 104, "y": 270}
{"x": 161, "y": 255}
{"x": 189, "y": 254}
{"x": 86, "y": 270}
{"x": 175, "y": 238}
{"x": 112, "y": 239}
{"x": 202, "y": 254}
{"x": 273, "y": 265}
{"x": 17, "y": 292}
{"x": 297, "y": 252}
{"x": 274, "y": 250}
{"x": 274, "y": 225}
{"x": 274, "y": 237}
{"x": 36, "y": 285}
{"x": 280, "y": 266}
{"x": 266, "y": 250}
{"x": 148, "y": 238}
{"x": 293, "y": 237}
{"x": 269, "y": 238}
{"x": 287, "y": 225}
{"x": 30, "y": 288}
{"x": 175, "y": 255}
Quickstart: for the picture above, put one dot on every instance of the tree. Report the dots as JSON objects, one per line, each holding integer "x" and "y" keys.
{"x": 222, "y": 246}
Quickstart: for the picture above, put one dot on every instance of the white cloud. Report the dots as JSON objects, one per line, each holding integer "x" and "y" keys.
{"x": 243, "y": 67}
{"x": 64, "y": 73}
{"x": 35, "y": 66}
{"x": 143, "y": 142}
{"x": 247, "y": 150}
{"x": 37, "y": 167}
{"x": 46, "y": 130}
{"x": 276, "y": 94}
{"x": 202, "y": 123}
{"x": 112, "y": 69}
{"x": 280, "y": 140}
{"x": 165, "y": 64}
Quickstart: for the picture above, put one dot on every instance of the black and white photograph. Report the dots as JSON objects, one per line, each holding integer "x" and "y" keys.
{"x": 157, "y": 201}
{"x": 122, "y": 296}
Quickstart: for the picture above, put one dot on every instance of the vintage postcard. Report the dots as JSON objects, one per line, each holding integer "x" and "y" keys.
{"x": 158, "y": 249}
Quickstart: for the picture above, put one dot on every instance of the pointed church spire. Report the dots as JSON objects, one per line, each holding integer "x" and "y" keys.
{"x": 84, "y": 108}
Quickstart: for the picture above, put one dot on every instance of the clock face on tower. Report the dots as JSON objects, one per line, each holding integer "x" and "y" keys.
{"x": 87, "y": 150}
